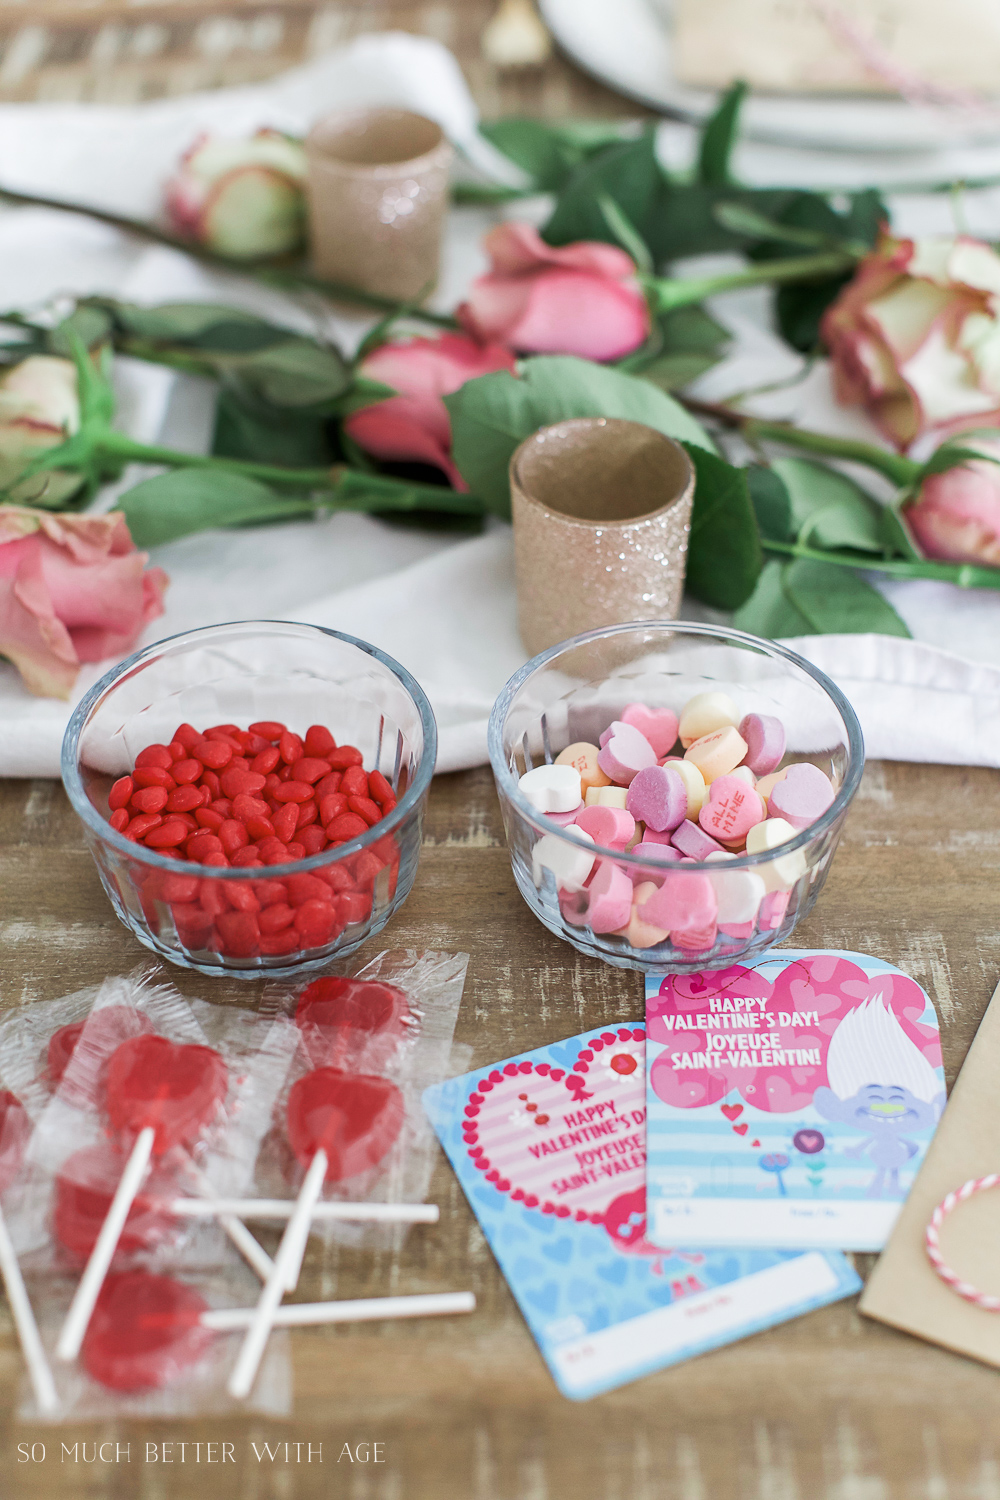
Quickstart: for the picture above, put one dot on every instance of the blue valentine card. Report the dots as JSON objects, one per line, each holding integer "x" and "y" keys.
{"x": 550, "y": 1148}
{"x": 791, "y": 1100}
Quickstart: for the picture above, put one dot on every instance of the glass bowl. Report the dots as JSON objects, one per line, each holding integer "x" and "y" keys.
{"x": 242, "y": 673}
{"x": 574, "y": 691}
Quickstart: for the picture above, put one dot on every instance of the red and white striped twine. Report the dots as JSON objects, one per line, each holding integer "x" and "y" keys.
{"x": 933, "y": 1245}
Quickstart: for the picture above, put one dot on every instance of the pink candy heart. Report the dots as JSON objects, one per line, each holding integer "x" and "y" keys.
{"x": 731, "y": 811}
{"x": 624, "y": 753}
{"x": 694, "y": 841}
{"x": 611, "y": 827}
{"x": 658, "y": 798}
{"x": 657, "y": 725}
{"x": 684, "y": 903}
{"x": 610, "y": 898}
{"x": 765, "y": 737}
{"x": 802, "y": 797}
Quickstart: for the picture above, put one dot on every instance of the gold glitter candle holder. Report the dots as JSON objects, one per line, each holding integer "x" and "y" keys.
{"x": 378, "y": 191}
{"x": 602, "y": 514}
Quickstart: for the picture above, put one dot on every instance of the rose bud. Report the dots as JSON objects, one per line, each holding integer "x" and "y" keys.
{"x": 956, "y": 515}
{"x": 414, "y": 427}
{"x": 243, "y": 198}
{"x": 39, "y": 408}
{"x": 581, "y": 299}
{"x": 914, "y": 337}
{"x": 72, "y": 589}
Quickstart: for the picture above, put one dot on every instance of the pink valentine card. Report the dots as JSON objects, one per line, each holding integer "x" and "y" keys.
{"x": 790, "y": 1102}
{"x": 550, "y": 1149}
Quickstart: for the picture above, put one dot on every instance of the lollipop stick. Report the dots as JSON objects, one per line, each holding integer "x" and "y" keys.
{"x": 24, "y": 1322}
{"x": 362, "y": 1309}
{"x": 89, "y": 1287}
{"x": 286, "y": 1265}
{"x": 253, "y": 1253}
{"x": 283, "y": 1208}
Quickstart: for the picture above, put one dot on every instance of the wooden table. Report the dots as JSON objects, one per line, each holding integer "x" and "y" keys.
{"x": 828, "y": 1407}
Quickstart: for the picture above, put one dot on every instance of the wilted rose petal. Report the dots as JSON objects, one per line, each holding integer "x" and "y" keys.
{"x": 244, "y": 198}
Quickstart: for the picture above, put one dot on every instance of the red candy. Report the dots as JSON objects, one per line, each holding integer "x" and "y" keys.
{"x": 354, "y": 1118}
{"x": 84, "y": 1188}
{"x": 228, "y": 797}
{"x": 145, "y": 1331}
{"x": 176, "y": 1089}
{"x": 15, "y": 1132}
{"x": 334, "y": 1014}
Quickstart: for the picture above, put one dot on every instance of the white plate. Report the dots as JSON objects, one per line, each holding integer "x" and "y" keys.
{"x": 627, "y": 45}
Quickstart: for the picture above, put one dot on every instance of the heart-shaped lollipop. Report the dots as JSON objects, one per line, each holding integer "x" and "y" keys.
{"x": 152, "y": 1081}
{"x": 106, "y": 1029}
{"x": 354, "y": 1118}
{"x": 340, "y": 1018}
{"x": 84, "y": 1188}
{"x": 146, "y": 1331}
{"x": 15, "y": 1131}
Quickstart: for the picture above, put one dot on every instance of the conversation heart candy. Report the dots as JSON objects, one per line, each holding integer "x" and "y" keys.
{"x": 607, "y": 796}
{"x": 573, "y": 906}
{"x": 654, "y": 836}
{"x": 766, "y": 784}
{"x": 664, "y": 854}
{"x": 744, "y": 773}
{"x": 609, "y": 906}
{"x": 695, "y": 939}
{"x": 692, "y": 840}
{"x": 739, "y": 893}
{"x": 694, "y": 785}
{"x": 624, "y": 752}
{"x": 570, "y": 866}
{"x": 765, "y": 737}
{"x": 354, "y": 1117}
{"x": 612, "y": 827}
{"x": 583, "y": 757}
{"x": 658, "y": 798}
{"x": 803, "y": 796}
{"x": 564, "y": 819}
{"x": 718, "y": 753}
{"x": 704, "y": 714}
{"x": 175, "y": 1089}
{"x": 552, "y": 789}
{"x": 657, "y": 725}
{"x": 684, "y": 902}
{"x": 778, "y": 874}
{"x": 731, "y": 811}
{"x": 145, "y": 1331}
{"x": 640, "y": 934}
{"x": 772, "y": 910}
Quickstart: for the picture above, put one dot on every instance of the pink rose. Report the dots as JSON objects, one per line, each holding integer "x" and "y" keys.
{"x": 414, "y": 426}
{"x": 72, "y": 589}
{"x": 915, "y": 339}
{"x": 956, "y": 515}
{"x": 243, "y": 198}
{"x": 581, "y": 299}
{"x": 39, "y": 409}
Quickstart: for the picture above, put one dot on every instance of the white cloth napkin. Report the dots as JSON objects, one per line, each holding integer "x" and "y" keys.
{"x": 443, "y": 607}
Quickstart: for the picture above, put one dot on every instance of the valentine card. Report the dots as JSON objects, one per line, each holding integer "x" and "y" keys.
{"x": 550, "y": 1149}
{"x": 791, "y": 1101}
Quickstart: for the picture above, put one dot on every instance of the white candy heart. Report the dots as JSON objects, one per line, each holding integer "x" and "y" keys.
{"x": 781, "y": 874}
{"x": 570, "y": 866}
{"x": 738, "y": 892}
{"x": 552, "y": 789}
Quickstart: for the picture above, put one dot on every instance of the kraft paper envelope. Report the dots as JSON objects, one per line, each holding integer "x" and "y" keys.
{"x": 904, "y": 1289}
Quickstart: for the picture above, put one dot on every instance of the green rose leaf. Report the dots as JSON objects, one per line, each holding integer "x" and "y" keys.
{"x": 803, "y": 597}
{"x": 249, "y": 428}
{"x": 772, "y": 504}
{"x": 628, "y": 174}
{"x": 682, "y": 345}
{"x": 493, "y": 414}
{"x": 187, "y": 500}
{"x": 719, "y": 137}
{"x": 724, "y": 551}
{"x": 828, "y": 510}
{"x": 550, "y": 153}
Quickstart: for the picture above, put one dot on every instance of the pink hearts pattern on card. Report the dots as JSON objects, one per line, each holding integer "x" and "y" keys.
{"x": 567, "y": 1142}
{"x": 819, "y": 990}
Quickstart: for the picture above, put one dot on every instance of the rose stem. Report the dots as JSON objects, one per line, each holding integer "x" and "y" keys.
{"x": 286, "y": 1269}
{"x": 24, "y": 1321}
{"x": 89, "y": 1288}
{"x": 362, "y": 1309}
{"x": 669, "y": 293}
{"x": 274, "y": 275}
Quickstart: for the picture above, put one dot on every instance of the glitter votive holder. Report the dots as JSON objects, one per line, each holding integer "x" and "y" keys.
{"x": 377, "y": 184}
{"x": 602, "y": 515}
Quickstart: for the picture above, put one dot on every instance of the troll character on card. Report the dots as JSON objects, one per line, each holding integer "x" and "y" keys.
{"x": 882, "y": 1084}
